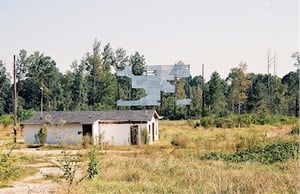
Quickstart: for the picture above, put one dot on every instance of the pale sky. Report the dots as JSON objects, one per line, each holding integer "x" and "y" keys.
{"x": 217, "y": 33}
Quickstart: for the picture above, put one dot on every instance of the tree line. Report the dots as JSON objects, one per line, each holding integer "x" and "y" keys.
{"x": 92, "y": 84}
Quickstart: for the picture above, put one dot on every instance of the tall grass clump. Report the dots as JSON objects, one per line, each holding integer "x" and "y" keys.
{"x": 181, "y": 141}
{"x": 86, "y": 141}
{"x": 6, "y": 120}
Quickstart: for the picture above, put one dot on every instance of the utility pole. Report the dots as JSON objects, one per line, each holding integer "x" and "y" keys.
{"x": 42, "y": 94}
{"x": 188, "y": 107}
{"x": 118, "y": 90}
{"x": 15, "y": 102}
{"x": 175, "y": 93}
{"x": 161, "y": 101}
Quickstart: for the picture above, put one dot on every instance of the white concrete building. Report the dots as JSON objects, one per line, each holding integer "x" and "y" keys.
{"x": 121, "y": 127}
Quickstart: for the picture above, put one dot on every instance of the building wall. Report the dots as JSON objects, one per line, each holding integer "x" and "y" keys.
{"x": 118, "y": 134}
{"x": 152, "y": 127}
{"x": 115, "y": 134}
{"x": 156, "y": 129}
{"x": 68, "y": 133}
{"x": 96, "y": 132}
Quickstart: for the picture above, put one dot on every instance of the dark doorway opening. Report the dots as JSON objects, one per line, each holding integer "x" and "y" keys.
{"x": 153, "y": 129}
{"x": 87, "y": 130}
{"x": 134, "y": 134}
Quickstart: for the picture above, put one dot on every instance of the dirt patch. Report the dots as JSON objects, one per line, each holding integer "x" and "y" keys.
{"x": 33, "y": 184}
{"x": 40, "y": 182}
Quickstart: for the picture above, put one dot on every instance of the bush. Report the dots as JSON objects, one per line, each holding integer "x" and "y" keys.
{"x": 68, "y": 165}
{"x": 24, "y": 114}
{"x": 8, "y": 170}
{"x": 207, "y": 122}
{"x": 280, "y": 151}
{"x": 213, "y": 156}
{"x": 288, "y": 120}
{"x": 86, "y": 141}
{"x": 245, "y": 120}
{"x": 197, "y": 124}
{"x": 224, "y": 122}
{"x": 6, "y": 120}
{"x": 295, "y": 130}
{"x": 42, "y": 135}
{"x": 93, "y": 164}
{"x": 269, "y": 154}
{"x": 180, "y": 140}
{"x": 144, "y": 136}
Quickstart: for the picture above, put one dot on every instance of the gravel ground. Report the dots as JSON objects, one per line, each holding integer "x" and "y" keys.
{"x": 37, "y": 183}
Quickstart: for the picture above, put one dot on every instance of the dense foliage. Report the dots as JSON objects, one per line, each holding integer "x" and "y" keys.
{"x": 8, "y": 169}
{"x": 244, "y": 120}
{"x": 276, "y": 152}
{"x": 91, "y": 84}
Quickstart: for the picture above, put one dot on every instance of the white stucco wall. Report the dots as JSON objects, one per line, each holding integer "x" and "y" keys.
{"x": 156, "y": 129}
{"x": 150, "y": 130}
{"x": 68, "y": 133}
{"x": 117, "y": 134}
{"x": 96, "y": 132}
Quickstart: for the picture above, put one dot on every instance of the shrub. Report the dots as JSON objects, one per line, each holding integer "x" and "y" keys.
{"x": 224, "y": 122}
{"x": 207, "y": 122}
{"x": 280, "y": 151}
{"x": 295, "y": 130}
{"x": 8, "y": 170}
{"x": 245, "y": 120}
{"x": 180, "y": 140}
{"x": 24, "y": 114}
{"x": 6, "y": 120}
{"x": 197, "y": 124}
{"x": 144, "y": 136}
{"x": 68, "y": 165}
{"x": 86, "y": 141}
{"x": 246, "y": 141}
{"x": 42, "y": 134}
{"x": 93, "y": 164}
{"x": 271, "y": 153}
{"x": 288, "y": 120}
{"x": 265, "y": 119}
{"x": 213, "y": 156}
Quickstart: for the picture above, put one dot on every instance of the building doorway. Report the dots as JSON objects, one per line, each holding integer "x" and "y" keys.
{"x": 153, "y": 134}
{"x": 134, "y": 134}
{"x": 87, "y": 130}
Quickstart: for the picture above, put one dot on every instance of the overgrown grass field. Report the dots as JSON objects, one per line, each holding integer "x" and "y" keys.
{"x": 183, "y": 167}
{"x": 253, "y": 159}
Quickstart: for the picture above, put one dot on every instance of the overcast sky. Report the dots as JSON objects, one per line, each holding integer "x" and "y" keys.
{"x": 217, "y": 33}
